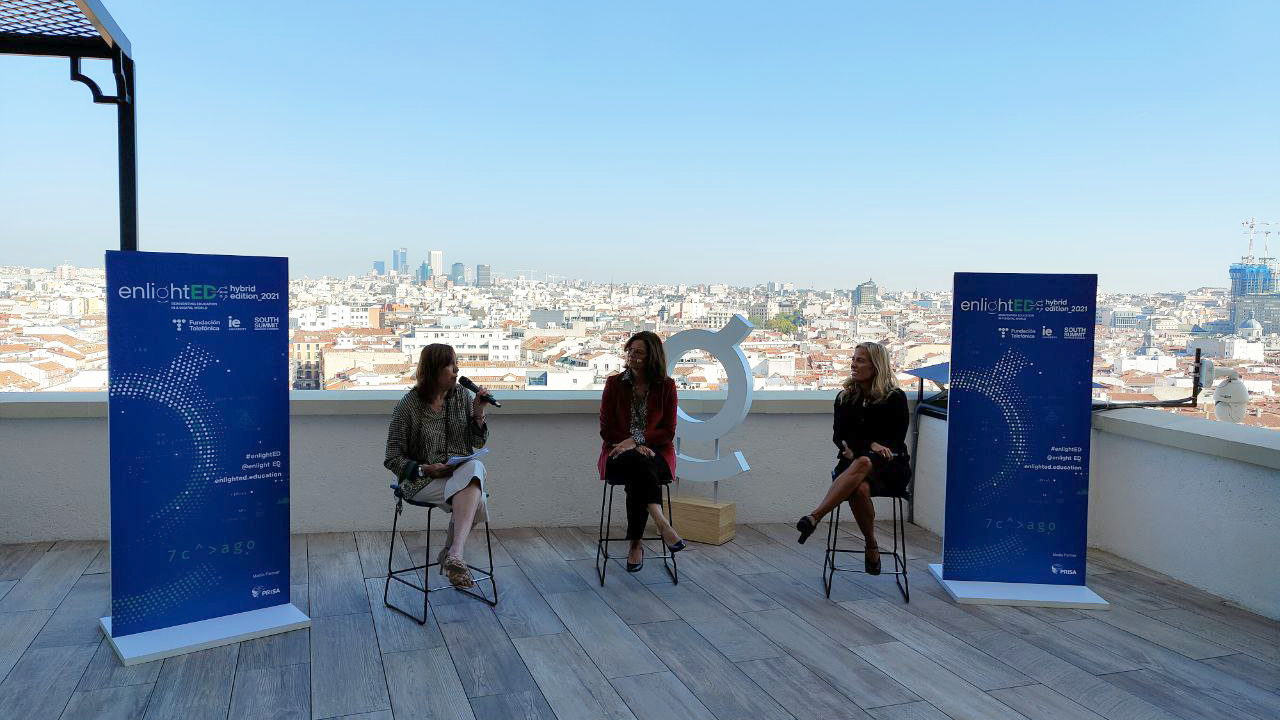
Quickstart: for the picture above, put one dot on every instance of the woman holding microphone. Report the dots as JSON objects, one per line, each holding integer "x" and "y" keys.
{"x": 638, "y": 426}
{"x": 435, "y": 420}
{"x": 870, "y": 430}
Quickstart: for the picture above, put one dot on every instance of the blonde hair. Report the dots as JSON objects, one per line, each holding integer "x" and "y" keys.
{"x": 884, "y": 381}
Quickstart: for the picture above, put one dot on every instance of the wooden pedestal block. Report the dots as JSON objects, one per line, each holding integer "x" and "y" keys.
{"x": 701, "y": 520}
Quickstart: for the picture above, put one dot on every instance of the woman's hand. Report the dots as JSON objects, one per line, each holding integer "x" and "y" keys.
{"x": 477, "y": 405}
{"x": 625, "y": 445}
{"x": 645, "y": 450}
{"x": 435, "y": 470}
{"x": 882, "y": 451}
{"x": 845, "y": 453}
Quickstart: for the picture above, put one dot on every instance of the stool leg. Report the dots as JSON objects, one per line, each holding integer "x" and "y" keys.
{"x": 395, "y": 521}
{"x": 606, "y": 526}
{"x": 493, "y": 582}
{"x": 900, "y": 526}
{"x": 829, "y": 556}
{"x": 426, "y": 572}
{"x": 672, "y": 569}
{"x": 600, "y": 546}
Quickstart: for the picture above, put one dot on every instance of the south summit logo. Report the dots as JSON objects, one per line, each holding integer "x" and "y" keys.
{"x": 162, "y": 293}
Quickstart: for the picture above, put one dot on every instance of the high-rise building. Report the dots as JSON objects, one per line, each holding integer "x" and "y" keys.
{"x": 424, "y": 273}
{"x": 484, "y": 276}
{"x": 866, "y": 295}
{"x": 1265, "y": 309}
{"x": 400, "y": 261}
{"x": 379, "y": 267}
{"x": 1255, "y": 286}
{"x": 1250, "y": 278}
{"x": 458, "y": 274}
{"x": 435, "y": 261}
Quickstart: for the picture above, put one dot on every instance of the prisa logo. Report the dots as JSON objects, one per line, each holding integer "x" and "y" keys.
{"x": 1059, "y": 570}
{"x": 261, "y": 591}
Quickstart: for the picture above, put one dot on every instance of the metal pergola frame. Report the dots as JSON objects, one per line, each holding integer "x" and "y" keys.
{"x": 79, "y": 29}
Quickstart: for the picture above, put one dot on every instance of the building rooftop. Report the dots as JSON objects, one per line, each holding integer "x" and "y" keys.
{"x": 745, "y": 634}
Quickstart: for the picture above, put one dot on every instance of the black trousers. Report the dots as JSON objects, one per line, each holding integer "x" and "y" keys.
{"x": 642, "y": 477}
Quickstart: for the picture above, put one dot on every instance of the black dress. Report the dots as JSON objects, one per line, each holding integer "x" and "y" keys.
{"x": 859, "y": 425}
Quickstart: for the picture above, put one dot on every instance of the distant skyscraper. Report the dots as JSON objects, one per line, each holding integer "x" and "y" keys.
{"x": 424, "y": 273}
{"x": 484, "y": 277}
{"x": 435, "y": 261}
{"x": 400, "y": 261}
{"x": 379, "y": 267}
{"x": 866, "y": 295}
{"x": 459, "y": 274}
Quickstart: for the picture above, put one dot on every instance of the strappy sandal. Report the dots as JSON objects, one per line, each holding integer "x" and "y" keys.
{"x": 458, "y": 573}
{"x": 871, "y": 566}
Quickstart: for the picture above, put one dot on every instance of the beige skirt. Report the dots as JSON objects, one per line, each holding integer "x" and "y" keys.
{"x": 440, "y": 491}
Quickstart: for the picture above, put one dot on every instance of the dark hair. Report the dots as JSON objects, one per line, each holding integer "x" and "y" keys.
{"x": 434, "y": 357}
{"x": 655, "y": 357}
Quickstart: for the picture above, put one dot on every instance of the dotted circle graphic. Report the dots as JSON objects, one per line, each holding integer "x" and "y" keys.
{"x": 176, "y": 388}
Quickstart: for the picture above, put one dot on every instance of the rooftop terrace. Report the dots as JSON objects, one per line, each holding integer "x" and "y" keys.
{"x": 745, "y": 634}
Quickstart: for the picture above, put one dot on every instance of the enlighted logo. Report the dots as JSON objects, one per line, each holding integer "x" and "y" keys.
{"x": 1057, "y": 569}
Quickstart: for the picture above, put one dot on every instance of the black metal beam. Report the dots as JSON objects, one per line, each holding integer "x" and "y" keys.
{"x": 128, "y": 149}
{"x": 16, "y": 44}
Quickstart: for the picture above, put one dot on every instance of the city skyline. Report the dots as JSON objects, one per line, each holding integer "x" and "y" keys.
{"x": 672, "y": 144}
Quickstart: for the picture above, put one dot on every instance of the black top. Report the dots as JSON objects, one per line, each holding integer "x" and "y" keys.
{"x": 860, "y": 425}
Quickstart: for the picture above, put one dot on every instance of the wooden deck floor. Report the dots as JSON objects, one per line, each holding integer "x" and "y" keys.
{"x": 746, "y": 635}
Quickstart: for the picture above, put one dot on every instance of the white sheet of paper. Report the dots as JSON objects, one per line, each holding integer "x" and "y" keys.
{"x": 457, "y": 460}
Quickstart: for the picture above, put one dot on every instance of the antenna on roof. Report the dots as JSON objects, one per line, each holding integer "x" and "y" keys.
{"x": 1250, "y": 223}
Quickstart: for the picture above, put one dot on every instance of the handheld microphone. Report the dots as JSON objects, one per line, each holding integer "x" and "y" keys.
{"x": 466, "y": 383}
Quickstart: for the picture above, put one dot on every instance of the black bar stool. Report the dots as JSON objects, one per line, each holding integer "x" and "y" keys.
{"x": 606, "y": 526}
{"x": 425, "y": 588}
{"x": 899, "y": 553}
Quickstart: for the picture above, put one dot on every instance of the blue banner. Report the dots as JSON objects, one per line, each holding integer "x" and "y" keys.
{"x": 1018, "y": 417}
{"x": 199, "y": 436}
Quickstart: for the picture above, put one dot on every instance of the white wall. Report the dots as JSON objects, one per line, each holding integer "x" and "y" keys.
{"x": 54, "y": 470}
{"x": 1194, "y": 499}
{"x": 1209, "y": 520}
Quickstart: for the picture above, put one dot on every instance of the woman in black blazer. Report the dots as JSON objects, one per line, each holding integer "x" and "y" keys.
{"x": 870, "y": 431}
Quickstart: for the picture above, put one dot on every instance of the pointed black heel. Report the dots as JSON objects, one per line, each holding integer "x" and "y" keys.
{"x": 806, "y": 526}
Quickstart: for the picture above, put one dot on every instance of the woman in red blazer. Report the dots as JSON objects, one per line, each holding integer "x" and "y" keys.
{"x": 638, "y": 426}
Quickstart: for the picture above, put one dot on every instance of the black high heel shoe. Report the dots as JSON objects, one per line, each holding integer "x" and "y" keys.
{"x": 636, "y": 567}
{"x": 806, "y": 526}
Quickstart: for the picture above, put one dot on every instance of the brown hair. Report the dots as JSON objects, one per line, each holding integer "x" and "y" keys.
{"x": 434, "y": 357}
{"x": 655, "y": 357}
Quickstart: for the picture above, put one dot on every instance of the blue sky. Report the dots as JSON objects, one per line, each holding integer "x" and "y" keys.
{"x": 670, "y": 141}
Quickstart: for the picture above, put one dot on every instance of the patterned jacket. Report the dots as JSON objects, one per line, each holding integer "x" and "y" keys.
{"x": 414, "y": 434}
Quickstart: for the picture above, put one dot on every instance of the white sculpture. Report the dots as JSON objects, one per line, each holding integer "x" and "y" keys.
{"x": 1231, "y": 397}
{"x": 724, "y": 346}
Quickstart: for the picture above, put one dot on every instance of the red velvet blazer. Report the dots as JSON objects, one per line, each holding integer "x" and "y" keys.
{"x": 615, "y": 419}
